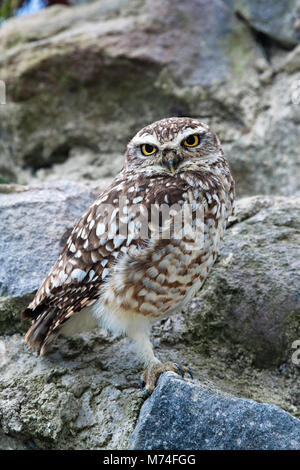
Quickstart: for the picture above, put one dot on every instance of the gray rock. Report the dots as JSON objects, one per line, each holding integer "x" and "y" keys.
{"x": 182, "y": 416}
{"x": 216, "y": 71}
{"x": 278, "y": 20}
{"x": 84, "y": 393}
{"x": 264, "y": 157}
{"x": 77, "y": 397}
{"x": 211, "y": 68}
{"x": 35, "y": 224}
{"x": 80, "y": 2}
{"x": 119, "y": 65}
{"x": 252, "y": 295}
{"x": 291, "y": 63}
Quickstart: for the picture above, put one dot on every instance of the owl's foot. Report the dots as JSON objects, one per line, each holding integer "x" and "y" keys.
{"x": 152, "y": 373}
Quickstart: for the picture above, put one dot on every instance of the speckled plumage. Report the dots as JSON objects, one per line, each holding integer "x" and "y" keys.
{"x": 112, "y": 272}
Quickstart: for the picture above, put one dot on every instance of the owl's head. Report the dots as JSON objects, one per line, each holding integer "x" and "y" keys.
{"x": 172, "y": 146}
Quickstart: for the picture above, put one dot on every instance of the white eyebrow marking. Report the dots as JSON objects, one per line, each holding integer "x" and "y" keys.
{"x": 152, "y": 140}
{"x": 183, "y": 134}
{"x": 146, "y": 139}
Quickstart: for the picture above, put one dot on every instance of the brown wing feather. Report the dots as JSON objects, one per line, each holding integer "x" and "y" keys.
{"x": 91, "y": 251}
{"x": 74, "y": 281}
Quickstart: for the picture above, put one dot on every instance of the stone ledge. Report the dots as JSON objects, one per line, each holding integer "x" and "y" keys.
{"x": 181, "y": 415}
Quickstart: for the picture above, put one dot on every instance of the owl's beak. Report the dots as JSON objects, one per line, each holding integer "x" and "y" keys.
{"x": 171, "y": 160}
{"x": 171, "y": 167}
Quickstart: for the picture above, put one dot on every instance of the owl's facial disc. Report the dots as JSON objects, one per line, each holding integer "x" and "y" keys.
{"x": 172, "y": 156}
{"x": 168, "y": 158}
{"x": 172, "y": 146}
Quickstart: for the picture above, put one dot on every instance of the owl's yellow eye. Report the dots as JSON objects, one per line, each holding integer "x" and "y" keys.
{"x": 191, "y": 141}
{"x": 148, "y": 149}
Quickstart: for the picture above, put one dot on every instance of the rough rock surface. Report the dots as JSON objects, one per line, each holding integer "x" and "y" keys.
{"x": 180, "y": 415}
{"x": 70, "y": 399}
{"x": 35, "y": 224}
{"x": 279, "y": 20}
{"x": 81, "y": 81}
{"x": 84, "y": 393}
{"x": 89, "y": 59}
{"x": 252, "y": 296}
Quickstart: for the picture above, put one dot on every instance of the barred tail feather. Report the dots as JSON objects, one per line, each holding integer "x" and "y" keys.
{"x": 39, "y": 330}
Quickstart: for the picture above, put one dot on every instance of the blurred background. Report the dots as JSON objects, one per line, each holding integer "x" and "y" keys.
{"x": 82, "y": 77}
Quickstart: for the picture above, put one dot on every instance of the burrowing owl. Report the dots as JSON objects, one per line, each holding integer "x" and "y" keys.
{"x": 125, "y": 263}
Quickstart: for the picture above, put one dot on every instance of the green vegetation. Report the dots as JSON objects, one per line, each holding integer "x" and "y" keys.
{"x": 8, "y": 8}
{"x": 2, "y": 180}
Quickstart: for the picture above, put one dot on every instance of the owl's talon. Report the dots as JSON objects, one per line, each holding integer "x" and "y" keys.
{"x": 141, "y": 383}
{"x": 179, "y": 369}
{"x": 153, "y": 372}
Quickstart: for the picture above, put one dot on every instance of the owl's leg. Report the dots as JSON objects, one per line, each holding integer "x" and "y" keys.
{"x": 153, "y": 371}
{"x": 154, "y": 367}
